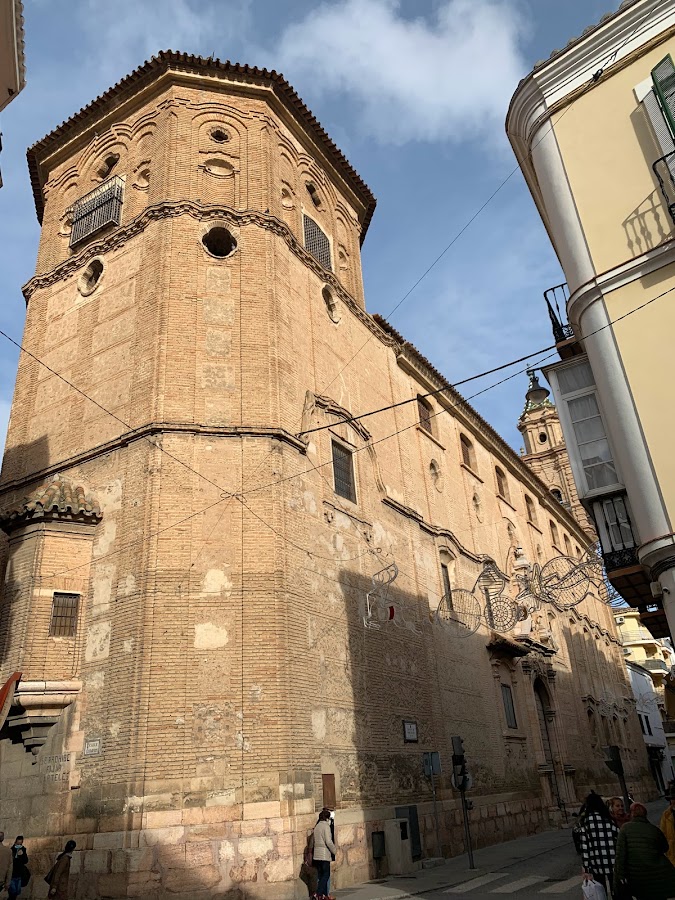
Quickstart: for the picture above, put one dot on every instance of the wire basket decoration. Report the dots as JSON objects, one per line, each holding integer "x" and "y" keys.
{"x": 379, "y": 608}
{"x": 501, "y": 612}
{"x": 460, "y": 612}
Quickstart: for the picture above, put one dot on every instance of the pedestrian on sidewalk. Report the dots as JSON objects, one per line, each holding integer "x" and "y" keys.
{"x": 5, "y": 864}
{"x": 598, "y": 841}
{"x": 667, "y": 826}
{"x": 617, "y": 811}
{"x": 308, "y": 873}
{"x": 641, "y": 861}
{"x": 324, "y": 851}
{"x": 58, "y": 876}
{"x": 20, "y": 873}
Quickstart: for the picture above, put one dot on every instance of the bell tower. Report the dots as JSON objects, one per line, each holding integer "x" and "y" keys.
{"x": 545, "y": 451}
{"x": 196, "y": 220}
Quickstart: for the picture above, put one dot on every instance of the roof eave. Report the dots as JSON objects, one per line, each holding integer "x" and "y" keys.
{"x": 168, "y": 59}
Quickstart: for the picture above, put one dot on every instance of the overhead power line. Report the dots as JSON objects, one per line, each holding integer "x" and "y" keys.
{"x": 595, "y": 77}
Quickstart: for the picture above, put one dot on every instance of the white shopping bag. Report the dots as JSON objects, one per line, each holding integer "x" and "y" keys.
{"x": 593, "y": 890}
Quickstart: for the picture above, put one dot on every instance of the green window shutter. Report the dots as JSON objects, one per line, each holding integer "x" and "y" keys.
{"x": 663, "y": 77}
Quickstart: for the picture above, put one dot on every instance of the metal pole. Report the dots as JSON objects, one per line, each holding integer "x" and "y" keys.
{"x": 438, "y": 832}
{"x": 467, "y": 830}
{"x": 624, "y": 791}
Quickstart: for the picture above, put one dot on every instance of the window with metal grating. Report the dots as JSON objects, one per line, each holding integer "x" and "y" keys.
{"x": 64, "y": 614}
{"x": 509, "y": 708}
{"x": 317, "y": 243}
{"x": 424, "y": 414}
{"x": 343, "y": 472}
{"x": 97, "y": 209}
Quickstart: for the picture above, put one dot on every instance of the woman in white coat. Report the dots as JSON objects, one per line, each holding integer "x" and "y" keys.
{"x": 324, "y": 850}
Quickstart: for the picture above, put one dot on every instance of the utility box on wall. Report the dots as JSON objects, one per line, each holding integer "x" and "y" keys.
{"x": 398, "y": 847}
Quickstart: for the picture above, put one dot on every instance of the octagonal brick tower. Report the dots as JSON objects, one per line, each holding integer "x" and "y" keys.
{"x": 191, "y": 216}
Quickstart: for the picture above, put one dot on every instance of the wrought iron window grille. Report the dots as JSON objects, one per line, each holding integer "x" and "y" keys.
{"x": 64, "y": 614}
{"x": 97, "y": 209}
{"x": 343, "y": 472}
{"x": 554, "y": 297}
{"x": 317, "y": 243}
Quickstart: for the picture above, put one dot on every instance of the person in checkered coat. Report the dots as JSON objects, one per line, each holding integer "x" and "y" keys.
{"x": 598, "y": 841}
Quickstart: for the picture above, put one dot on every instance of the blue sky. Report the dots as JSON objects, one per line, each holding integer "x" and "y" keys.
{"x": 413, "y": 91}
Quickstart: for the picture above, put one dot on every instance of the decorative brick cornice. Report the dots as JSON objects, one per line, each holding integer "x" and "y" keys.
{"x": 169, "y": 209}
{"x": 144, "y": 432}
{"x": 58, "y": 499}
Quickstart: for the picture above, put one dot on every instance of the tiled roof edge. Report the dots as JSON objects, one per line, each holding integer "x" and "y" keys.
{"x": 490, "y": 431}
{"x": 161, "y": 63}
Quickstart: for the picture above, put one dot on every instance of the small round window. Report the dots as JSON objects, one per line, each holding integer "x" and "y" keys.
{"x": 219, "y": 242}
{"x": 331, "y": 305}
{"x": 542, "y": 437}
{"x": 90, "y": 278}
{"x": 219, "y": 135}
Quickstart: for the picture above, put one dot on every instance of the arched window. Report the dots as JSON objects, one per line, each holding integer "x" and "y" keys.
{"x": 468, "y": 455}
{"x": 424, "y": 414}
{"x": 502, "y": 484}
{"x": 556, "y": 493}
{"x": 568, "y": 545}
{"x": 447, "y": 573}
{"x": 555, "y": 538}
{"x": 531, "y": 511}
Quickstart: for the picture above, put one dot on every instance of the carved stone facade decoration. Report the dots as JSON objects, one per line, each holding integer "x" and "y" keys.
{"x": 212, "y": 675}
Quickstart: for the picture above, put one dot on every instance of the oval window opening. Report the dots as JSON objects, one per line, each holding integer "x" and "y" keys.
{"x": 220, "y": 136}
{"x": 219, "y": 242}
{"x": 90, "y": 277}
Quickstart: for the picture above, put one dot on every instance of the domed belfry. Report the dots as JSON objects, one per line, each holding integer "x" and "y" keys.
{"x": 227, "y": 596}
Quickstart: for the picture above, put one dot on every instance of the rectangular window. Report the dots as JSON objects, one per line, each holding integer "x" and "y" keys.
{"x": 64, "y": 614}
{"x": 343, "y": 472}
{"x": 97, "y": 209}
{"x": 588, "y": 444}
{"x": 447, "y": 587}
{"x": 509, "y": 709}
{"x": 424, "y": 414}
{"x": 648, "y": 724}
{"x": 316, "y": 242}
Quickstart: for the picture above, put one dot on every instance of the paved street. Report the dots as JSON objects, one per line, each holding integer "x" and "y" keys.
{"x": 543, "y": 866}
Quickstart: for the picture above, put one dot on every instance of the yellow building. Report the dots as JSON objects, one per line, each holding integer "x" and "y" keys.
{"x": 592, "y": 128}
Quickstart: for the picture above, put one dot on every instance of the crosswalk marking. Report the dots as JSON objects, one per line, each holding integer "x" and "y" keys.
{"x": 562, "y": 886}
{"x": 475, "y": 883}
{"x": 514, "y": 886}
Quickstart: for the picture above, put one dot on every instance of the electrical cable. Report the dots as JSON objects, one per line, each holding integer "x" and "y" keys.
{"x": 593, "y": 80}
{"x": 483, "y": 374}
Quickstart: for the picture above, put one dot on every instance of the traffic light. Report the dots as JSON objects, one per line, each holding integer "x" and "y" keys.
{"x": 613, "y": 759}
{"x": 459, "y": 763}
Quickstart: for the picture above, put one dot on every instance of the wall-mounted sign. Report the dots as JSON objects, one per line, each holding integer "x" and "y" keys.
{"x": 93, "y": 747}
{"x": 410, "y": 732}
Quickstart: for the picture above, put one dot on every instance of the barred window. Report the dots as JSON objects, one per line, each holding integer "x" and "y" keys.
{"x": 343, "y": 472}
{"x": 502, "y": 484}
{"x": 554, "y": 534}
{"x": 64, "y": 615}
{"x": 468, "y": 455}
{"x": 424, "y": 414}
{"x": 531, "y": 511}
{"x": 509, "y": 708}
{"x": 97, "y": 209}
{"x": 317, "y": 243}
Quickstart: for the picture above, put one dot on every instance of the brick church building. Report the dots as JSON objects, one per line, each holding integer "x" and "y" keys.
{"x": 195, "y": 523}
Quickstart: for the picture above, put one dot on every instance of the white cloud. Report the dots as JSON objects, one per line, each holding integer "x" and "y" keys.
{"x": 137, "y": 29}
{"x": 447, "y": 79}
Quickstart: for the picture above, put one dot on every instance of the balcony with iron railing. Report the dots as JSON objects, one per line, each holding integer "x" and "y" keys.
{"x": 96, "y": 210}
{"x": 664, "y": 170}
{"x": 655, "y": 665}
{"x": 638, "y": 636}
{"x": 556, "y": 302}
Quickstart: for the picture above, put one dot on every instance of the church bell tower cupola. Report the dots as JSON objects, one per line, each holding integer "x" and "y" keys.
{"x": 545, "y": 451}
